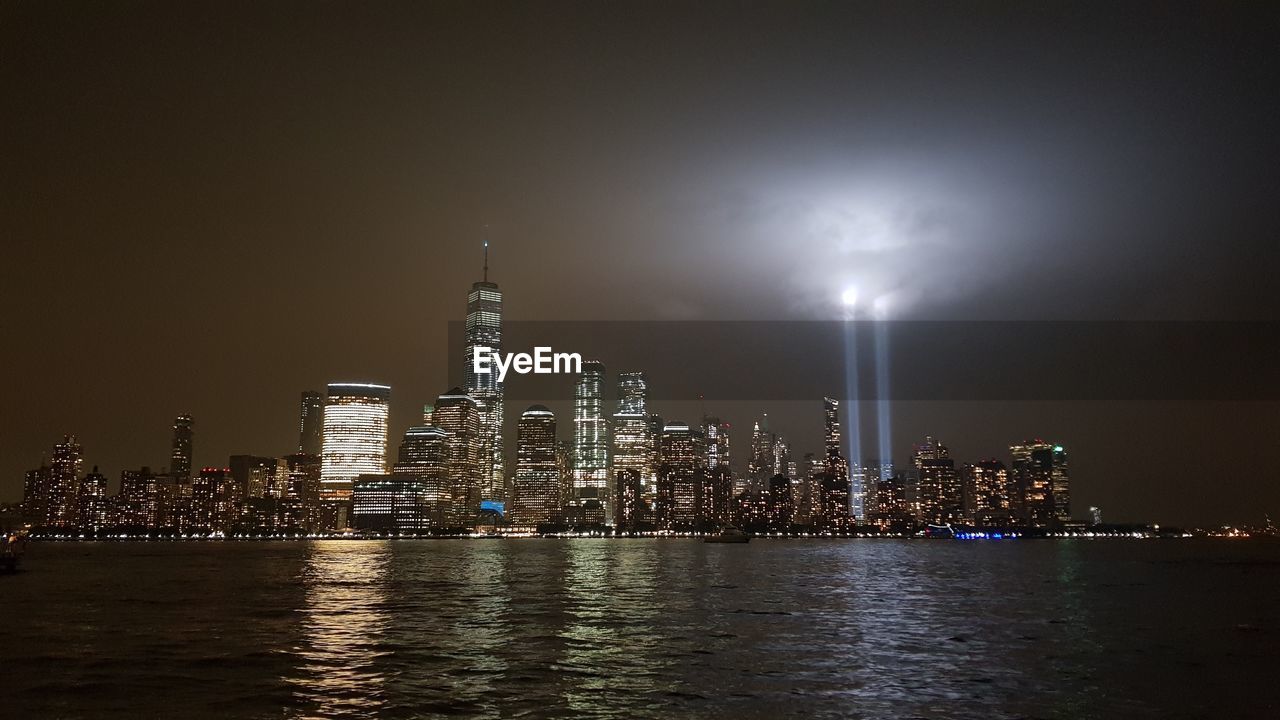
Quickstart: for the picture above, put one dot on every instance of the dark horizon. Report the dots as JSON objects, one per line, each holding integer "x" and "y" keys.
{"x": 211, "y": 207}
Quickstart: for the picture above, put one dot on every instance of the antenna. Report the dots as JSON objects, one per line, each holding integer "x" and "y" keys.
{"x": 486, "y": 260}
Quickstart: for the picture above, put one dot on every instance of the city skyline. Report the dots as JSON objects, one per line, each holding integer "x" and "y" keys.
{"x": 170, "y": 255}
{"x": 181, "y": 454}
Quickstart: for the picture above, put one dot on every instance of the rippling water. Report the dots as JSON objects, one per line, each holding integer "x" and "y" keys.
{"x": 643, "y": 628}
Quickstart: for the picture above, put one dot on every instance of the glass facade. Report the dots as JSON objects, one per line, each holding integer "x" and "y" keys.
{"x": 355, "y": 436}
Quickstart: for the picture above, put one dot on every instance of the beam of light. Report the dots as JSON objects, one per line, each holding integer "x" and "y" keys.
{"x": 853, "y": 432}
{"x": 883, "y": 420}
{"x": 850, "y": 298}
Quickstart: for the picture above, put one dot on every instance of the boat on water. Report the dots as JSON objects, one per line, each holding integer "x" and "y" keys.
{"x": 728, "y": 535}
{"x": 12, "y": 546}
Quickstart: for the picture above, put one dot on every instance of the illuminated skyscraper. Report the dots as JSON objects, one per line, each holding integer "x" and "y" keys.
{"x": 986, "y": 493}
{"x": 836, "y": 463}
{"x": 677, "y": 504}
{"x": 213, "y": 501}
{"x": 938, "y": 486}
{"x": 633, "y": 450}
{"x": 180, "y": 458}
{"x": 715, "y": 496}
{"x": 311, "y": 423}
{"x": 62, "y": 492}
{"x": 457, "y": 414}
{"x": 94, "y": 510}
{"x": 590, "y": 447}
{"x": 716, "y": 436}
{"x": 763, "y": 460}
{"x": 255, "y": 476}
{"x": 537, "y": 483}
{"x": 484, "y": 329}
{"x": 355, "y": 436}
{"x": 1042, "y": 491}
{"x": 143, "y": 500}
{"x": 779, "y": 503}
{"x": 302, "y": 498}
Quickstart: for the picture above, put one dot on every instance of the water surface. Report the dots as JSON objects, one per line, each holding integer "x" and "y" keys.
{"x": 644, "y": 628}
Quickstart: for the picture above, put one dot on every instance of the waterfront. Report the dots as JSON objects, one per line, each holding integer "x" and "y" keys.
{"x": 645, "y": 628}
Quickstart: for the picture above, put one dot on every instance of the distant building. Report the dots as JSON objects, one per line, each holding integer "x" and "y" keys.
{"x": 629, "y": 509}
{"x": 938, "y": 485}
{"x": 1042, "y": 491}
{"x": 716, "y": 434}
{"x": 180, "y": 457}
{"x": 834, "y": 502}
{"x": 355, "y": 436}
{"x": 253, "y": 475}
{"x": 761, "y": 464}
{"x": 986, "y": 493}
{"x": 457, "y": 414}
{"x": 303, "y": 511}
{"x": 779, "y": 503}
{"x": 144, "y": 499}
{"x": 94, "y": 511}
{"x": 50, "y": 495}
{"x": 677, "y": 478}
{"x": 390, "y": 503}
{"x": 424, "y": 459}
{"x": 715, "y": 497}
{"x": 537, "y": 481}
{"x": 484, "y": 329}
{"x": 213, "y": 501}
{"x": 590, "y": 448}
{"x": 634, "y": 450}
{"x": 311, "y": 423}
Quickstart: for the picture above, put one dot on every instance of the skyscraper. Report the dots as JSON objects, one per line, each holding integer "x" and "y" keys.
{"x": 1042, "y": 490}
{"x": 457, "y": 414}
{"x": 986, "y": 493}
{"x": 938, "y": 486}
{"x": 633, "y": 450}
{"x": 62, "y": 489}
{"x": 760, "y": 466}
{"x": 93, "y": 511}
{"x": 213, "y": 501}
{"x": 180, "y": 458}
{"x": 779, "y": 503}
{"x": 311, "y": 423}
{"x": 677, "y": 485}
{"x": 537, "y": 484}
{"x": 716, "y": 436}
{"x": 836, "y": 463}
{"x": 355, "y": 436}
{"x": 484, "y": 329}
{"x": 143, "y": 501}
{"x": 590, "y": 447}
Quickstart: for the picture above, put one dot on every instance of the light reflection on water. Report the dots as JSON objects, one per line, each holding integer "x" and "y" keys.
{"x": 346, "y": 622}
{"x": 644, "y": 629}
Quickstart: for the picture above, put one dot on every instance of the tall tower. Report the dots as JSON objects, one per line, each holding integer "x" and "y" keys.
{"x": 633, "y": 450}
{"x": 537, "y": 484}
{"x": 484, "y": 329}
{"x": 63, "y": 486}
{"x": 590, "y": 445}
{"x": 355, "y": 436}
{"x": 311, "y": 423}
{"x": 180, "y": 458}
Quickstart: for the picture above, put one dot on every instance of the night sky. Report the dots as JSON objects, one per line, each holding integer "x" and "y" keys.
{"x": 209, "y": 207}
